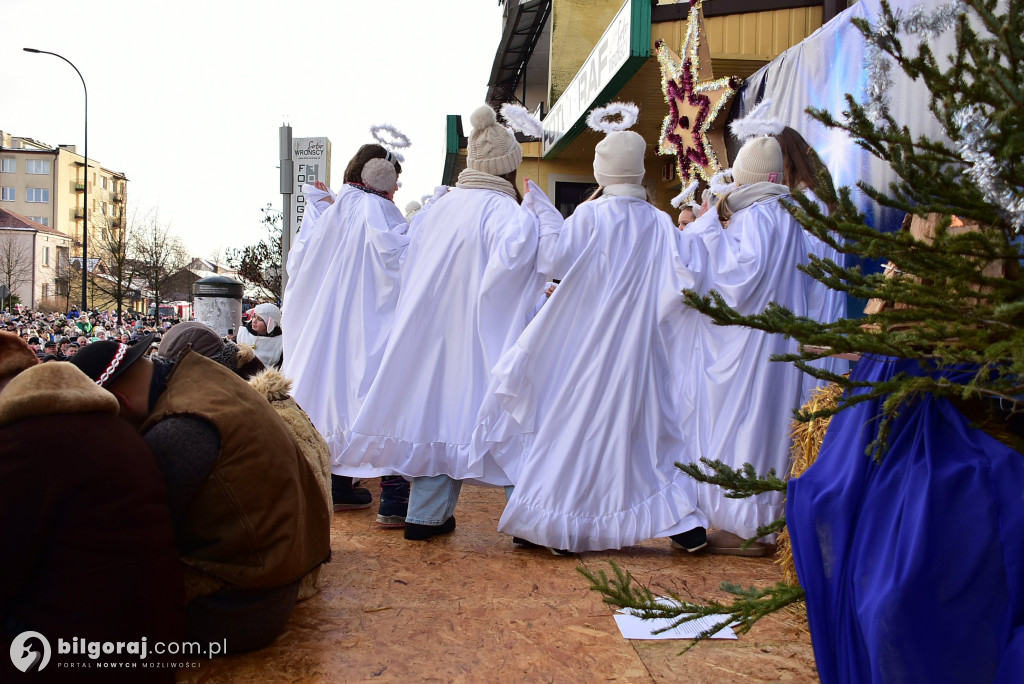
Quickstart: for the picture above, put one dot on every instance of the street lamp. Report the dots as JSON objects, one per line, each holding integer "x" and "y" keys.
{"x": 85, "y": 210}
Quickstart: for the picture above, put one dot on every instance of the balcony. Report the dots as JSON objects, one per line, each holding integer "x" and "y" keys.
{"x": 79, "y": 187}
{"x": 117, "y": 197}
{"x": 79, "y": 214}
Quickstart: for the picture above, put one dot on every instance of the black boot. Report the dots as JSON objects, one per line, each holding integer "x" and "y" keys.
{"x": 415, "y": 532}
{"x": 394, "y": 501}
{"x": 692, "y": 540}
{"x": 346, "y": 497}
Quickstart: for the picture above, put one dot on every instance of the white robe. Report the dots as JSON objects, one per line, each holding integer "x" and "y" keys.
{"x": 468, "y": 284}
{"x": 339, "y": 306}
{"x": 267, "y": 349}
{"x": 584, "y": 417}
{"x": 738, "y": 404}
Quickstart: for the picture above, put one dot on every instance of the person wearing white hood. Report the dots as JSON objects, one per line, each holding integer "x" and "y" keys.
{"x": 263, "y": 333}
{"x": 584, "y": 412}
{"x": 742, "y": 409}
{"x": 468, "y": 286}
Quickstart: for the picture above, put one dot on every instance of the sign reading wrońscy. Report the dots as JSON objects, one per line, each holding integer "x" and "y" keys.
{"x": 311, "y": 159}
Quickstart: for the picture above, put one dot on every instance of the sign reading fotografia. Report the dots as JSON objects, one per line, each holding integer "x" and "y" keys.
{"x": 311, "y": 159}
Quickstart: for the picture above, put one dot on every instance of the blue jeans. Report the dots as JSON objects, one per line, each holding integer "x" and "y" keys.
{"x": 432, "y": 499}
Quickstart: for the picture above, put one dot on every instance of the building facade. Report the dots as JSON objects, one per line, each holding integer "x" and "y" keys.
{"x": 47, "y": 185}
{"x": 554, "y": 56}
{"x": 33, "y": 259}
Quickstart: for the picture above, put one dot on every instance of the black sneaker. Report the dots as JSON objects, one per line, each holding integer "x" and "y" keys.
{"x": 346, "y": 497}
{"x": 394, "y": 501}
{"x": 691, "y": 541}
{"x": 414, "y": 532}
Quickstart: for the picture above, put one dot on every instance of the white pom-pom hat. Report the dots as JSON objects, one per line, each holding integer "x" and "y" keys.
{"x": 492, "y": 148}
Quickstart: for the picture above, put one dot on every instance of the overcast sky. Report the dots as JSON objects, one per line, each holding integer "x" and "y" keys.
{"x": 186, "y": 97}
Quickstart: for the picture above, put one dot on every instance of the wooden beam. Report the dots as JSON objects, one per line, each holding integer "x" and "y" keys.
{"x": 720, "y": 8}
{"x": 830, "y": 8}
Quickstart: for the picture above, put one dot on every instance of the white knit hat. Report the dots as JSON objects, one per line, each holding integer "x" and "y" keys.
{"x": 760, "y": 159}
{"x": 492, "y": 148}
{"x": 619, "y": 158}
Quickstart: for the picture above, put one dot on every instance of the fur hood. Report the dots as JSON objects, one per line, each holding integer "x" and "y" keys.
{"x": 50, "y": 389}
{"x": 271, "y": 384}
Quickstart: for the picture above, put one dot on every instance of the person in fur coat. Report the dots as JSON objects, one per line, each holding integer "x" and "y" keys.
{"x": 269, "y": 382}
{"x": 277, "y": 390}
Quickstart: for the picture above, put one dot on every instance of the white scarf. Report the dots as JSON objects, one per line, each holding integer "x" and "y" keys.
{"x": 472, "y": 179}
{"x": 625, "y": 190}
{"x": 745, "y": 195}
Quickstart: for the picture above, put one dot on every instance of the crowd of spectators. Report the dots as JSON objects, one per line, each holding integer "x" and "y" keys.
{"x": 58, "y": 337}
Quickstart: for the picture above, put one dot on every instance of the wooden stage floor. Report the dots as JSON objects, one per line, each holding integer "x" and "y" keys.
{"x": 470, "y": 607}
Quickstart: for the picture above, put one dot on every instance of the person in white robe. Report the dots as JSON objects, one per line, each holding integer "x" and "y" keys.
{"x": 584, "y": 417}
{"x": 801, "y": 166}
{"x": 741, "y": 404}
{"x": 468, "y": 284}
{"x": 339, "y": 306}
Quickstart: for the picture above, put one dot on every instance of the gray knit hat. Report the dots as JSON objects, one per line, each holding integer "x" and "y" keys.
{"x": 760, "y": 159}
{"x": 619, "y": 158}
{"x": 492, "y": 148}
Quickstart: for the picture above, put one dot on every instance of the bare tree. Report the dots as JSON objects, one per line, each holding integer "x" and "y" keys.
{"x": 65, "y": 275}
{"x": 158, "y": 252}
{"x": 123, "y": 270}
{"x": 217, "y": 259}
{"x": 260, "y": 264}
{"x": 15, "y": 261}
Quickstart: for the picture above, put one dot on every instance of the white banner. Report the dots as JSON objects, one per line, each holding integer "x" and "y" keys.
{"x": 604, "y": 62}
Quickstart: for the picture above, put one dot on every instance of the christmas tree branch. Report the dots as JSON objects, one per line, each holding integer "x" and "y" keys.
{"x": 749, "y": 606}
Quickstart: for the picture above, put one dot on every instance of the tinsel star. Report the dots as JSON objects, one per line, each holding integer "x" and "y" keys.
{"x": 693, "y": 105}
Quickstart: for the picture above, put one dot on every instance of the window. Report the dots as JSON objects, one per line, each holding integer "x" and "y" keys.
{"x": 103, "y": 208}
{"x": 45, "y": 220}
{"x": 37, "y": 194}
{"x": 7, "y": 194}
{"x": 46, "y": 290}
{"x": 103, "y": 182}
{"x": 8, "y": 165}
{"x": 46, "y": 258}
{"x": 37, "y": 166}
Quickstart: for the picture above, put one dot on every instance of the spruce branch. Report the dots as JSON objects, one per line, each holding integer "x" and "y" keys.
{"x": 738, "y": 484}
{"x": 750, "y": 605}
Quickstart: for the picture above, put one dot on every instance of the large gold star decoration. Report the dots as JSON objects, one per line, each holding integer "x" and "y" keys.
{"x": 693, "y": 105}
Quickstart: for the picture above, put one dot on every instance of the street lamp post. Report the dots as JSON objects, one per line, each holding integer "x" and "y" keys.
{"x": 85, "y": 209}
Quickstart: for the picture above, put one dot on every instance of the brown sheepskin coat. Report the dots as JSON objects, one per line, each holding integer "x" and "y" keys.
{"x": 276, "y": 388}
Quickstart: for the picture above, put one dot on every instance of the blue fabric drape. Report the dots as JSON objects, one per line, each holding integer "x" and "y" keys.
{"x": 914, "y": 568}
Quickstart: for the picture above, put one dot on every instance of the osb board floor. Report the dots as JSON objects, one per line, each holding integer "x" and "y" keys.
{"x": 469, "y": 607}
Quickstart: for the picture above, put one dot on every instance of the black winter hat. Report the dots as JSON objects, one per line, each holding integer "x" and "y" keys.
{"x": 105, "y": 360}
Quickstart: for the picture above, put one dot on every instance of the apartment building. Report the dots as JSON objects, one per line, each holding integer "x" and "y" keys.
{"x": 48, "y": 185}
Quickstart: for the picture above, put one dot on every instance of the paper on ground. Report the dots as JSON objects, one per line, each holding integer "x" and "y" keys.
{"x": 633, "y": 627}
